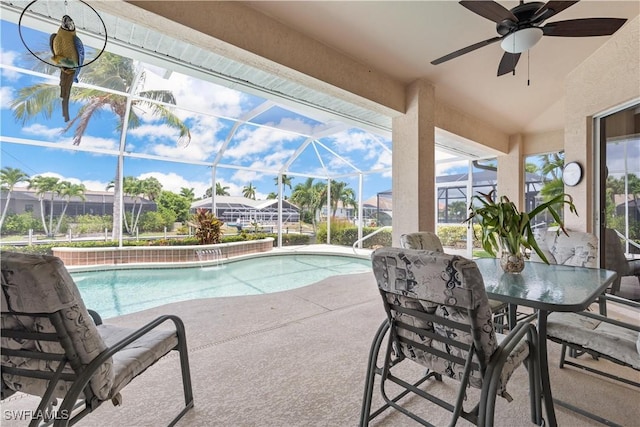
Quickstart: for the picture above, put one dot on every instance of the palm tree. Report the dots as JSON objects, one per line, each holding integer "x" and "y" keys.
{"x": 109, "y": 71}
{"x": 272, "y": 196}
{"x": 318, "y": 200}
{"x": 9, "y": 177}
{"x": 348, "y": 198}
{"x": 249, "y": 191}
{"x": 552, "y": 166}
{"x": 188, "y": 193}
{"x": 68, "y": 190}
{"x": 151, "y": 188}
{"x": 286, "y": 182}
{"x": 45, "y": 185}
{"x": 302, "y": 195}
{"x": 220, "y": 190}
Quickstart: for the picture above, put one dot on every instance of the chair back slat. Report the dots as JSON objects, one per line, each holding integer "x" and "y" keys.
{"x": 439, "y": 307}
{"x": 40, "y": 300}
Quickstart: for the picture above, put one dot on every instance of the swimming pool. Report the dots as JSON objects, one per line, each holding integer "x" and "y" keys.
{"x": 121, "y": 291}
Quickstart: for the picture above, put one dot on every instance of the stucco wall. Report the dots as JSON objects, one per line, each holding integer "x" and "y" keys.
{"x": 608, "y": 78}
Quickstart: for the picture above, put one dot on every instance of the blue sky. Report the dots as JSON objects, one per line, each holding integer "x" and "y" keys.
{"x": 257, "y": 149}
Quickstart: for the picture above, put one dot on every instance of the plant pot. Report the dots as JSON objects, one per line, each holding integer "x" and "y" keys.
{"x": 512, "y": 263}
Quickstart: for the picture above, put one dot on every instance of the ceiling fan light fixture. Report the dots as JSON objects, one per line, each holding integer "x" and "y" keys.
{"x": 521, "y": 40}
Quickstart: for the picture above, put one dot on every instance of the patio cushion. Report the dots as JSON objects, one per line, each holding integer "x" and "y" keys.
{"x": 51, "y": 289}
{"x": 137, "y": 356}
{"x": 578, "y": 249}
{"x": 608, "y": 339}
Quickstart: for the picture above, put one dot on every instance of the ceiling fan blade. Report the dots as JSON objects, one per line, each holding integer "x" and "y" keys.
{"x": 465, "y": 50}
{"x": 490, "y": 10}
{"x": 508, "y": 63}
{"x": 551, "y": 8}
{"x": 587, "y": 27}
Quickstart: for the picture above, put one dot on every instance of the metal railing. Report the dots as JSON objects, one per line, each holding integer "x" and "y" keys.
{"x": 369, "y": 235}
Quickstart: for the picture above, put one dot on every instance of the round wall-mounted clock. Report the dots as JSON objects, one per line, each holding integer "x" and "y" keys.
{"x": 572, "y": 174}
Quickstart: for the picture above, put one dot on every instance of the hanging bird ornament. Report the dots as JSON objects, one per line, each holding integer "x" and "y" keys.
{"x": 68, "y": 55}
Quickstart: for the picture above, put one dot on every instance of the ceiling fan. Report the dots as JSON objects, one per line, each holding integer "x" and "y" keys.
{"x": 521, "y": 28}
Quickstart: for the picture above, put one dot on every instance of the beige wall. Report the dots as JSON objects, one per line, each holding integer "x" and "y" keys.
{"x": 511, "y": 172}
{"x": 462, "y": 124}
{"x": 608, "y": 78}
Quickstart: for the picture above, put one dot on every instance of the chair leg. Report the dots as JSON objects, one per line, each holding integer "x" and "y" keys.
{"x": 563, "y": 355}
{"x": 185, "y": 370}
{"x": 371, "y": 373}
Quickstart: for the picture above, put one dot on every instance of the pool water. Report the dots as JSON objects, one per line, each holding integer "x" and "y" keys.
{"x": 117, "y": 292}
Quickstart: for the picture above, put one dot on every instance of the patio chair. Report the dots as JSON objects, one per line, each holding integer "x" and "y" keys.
{"x": 431, "y": 242}
{"x": 578, "y": 249}
{"x": 54, "y": 348}
{"x": 438, "y": 317}
{"x": 600, "y": 336}
{"x": 615, "y": 259}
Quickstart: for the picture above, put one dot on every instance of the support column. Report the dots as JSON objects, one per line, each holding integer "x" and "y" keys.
{"x": 511, "y": 172}
{"x": 414, "y": 163}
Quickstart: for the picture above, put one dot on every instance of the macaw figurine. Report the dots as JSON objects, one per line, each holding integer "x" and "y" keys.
{"x": 68, "y": 54}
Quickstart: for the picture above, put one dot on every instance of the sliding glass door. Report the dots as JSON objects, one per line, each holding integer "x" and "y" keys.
{"x": 619, "y": 201}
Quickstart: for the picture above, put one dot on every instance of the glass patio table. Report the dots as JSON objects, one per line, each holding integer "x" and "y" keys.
{"x": 546, "y": 288}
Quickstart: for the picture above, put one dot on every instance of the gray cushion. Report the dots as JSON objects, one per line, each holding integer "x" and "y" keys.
{"x": 421, "y": 240}
{"x": 137, "y": 356}
{"x": 578, "y": 249}
{"x": 41, "y": 284}
{"x": 611, "y": 340}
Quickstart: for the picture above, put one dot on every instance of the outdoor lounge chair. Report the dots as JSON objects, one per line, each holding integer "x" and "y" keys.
{"x": 54, "y": 348}
{"x": 615, "y": 259}
{"x": 431, "y": 242}
{"x": 600, "y": 336}
{"x": 438, "y": 316}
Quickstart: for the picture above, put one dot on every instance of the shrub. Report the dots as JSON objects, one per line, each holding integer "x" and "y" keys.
{"x": 19, "y": 224}
{"x": 208, "y": 227}
{"x": 347, "y": 236}
{"x": 157, "y": 220}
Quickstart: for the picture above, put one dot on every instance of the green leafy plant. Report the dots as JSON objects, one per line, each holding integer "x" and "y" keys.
{"x": 504, "y": 227}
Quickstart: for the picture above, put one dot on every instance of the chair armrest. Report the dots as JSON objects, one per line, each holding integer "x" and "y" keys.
{"x": 620, "y": 300}
{"x": 513, "y": 338}
{"x": 85, "y": 376}
{"x": 96, "y": 317}
{"x": 606, "y": 319}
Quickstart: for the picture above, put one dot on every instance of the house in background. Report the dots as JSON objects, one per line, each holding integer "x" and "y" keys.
{"x": 95, "y": 203}
{"x": 244, "y": 212}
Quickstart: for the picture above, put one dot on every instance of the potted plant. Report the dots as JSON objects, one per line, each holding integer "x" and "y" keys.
{"x": 507, "y": 230}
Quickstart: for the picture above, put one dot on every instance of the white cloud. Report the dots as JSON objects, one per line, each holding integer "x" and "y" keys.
{"x": 174, "y": 182}
{"x": 6, "y": 96}
{"x": 251, "y": 142}
{"x": 40, "y": 131}
{"x": 43, "y": 131}
{"x": 295, "y": 125}
{"x": 198, "y": 95}
{"x": 9, "y": 57}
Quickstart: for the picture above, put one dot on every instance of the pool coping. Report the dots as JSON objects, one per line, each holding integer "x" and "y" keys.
{"x": 329, "y": 250}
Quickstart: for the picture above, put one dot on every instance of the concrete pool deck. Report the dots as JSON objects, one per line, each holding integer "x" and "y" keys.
{"x": 298, "y": 358}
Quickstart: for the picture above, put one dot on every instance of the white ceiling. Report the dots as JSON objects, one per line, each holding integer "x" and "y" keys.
{"x": 401, "y": 38}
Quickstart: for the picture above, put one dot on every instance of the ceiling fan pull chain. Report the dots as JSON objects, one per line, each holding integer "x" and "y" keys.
{"x": 529, "y": 67}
